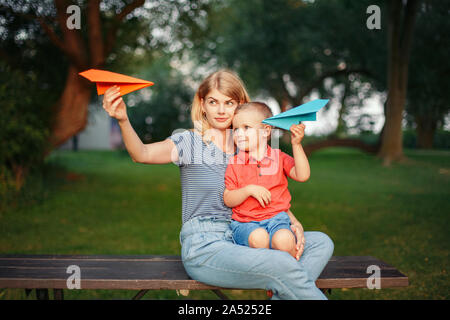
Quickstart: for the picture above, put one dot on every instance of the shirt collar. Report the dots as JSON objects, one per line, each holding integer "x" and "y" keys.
{"x": 244, "y": 157}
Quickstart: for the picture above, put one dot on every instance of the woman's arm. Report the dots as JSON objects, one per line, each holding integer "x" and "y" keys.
{"x": 297, "y": 228}
{"x": 153, "y": 153}
{"x": 294, "y": 220}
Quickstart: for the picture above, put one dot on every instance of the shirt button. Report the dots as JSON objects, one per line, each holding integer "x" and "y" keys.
{"x": 260, "y": 174}
{"x": 259, "y": 166}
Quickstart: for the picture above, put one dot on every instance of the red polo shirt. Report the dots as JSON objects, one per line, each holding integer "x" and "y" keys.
{"x": 271, "y": 172}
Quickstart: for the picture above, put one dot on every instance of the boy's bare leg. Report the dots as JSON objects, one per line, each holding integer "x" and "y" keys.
{"x": 284, "y": 240}
{"x": 259, "y": 238}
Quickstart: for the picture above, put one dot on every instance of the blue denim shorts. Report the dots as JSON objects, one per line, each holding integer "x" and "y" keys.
{"x": 242, "y": 230}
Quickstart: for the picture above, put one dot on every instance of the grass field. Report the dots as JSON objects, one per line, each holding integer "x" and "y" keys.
{"x": 100, "y": 202}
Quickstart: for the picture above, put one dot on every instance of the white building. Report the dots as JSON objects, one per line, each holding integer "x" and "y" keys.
{"x": 101, "y": 133}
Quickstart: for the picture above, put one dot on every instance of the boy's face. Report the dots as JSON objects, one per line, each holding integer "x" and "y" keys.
{"x": 249, "y": 132}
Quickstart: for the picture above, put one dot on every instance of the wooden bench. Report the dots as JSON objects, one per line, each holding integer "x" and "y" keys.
{"x": 143, "y": 273}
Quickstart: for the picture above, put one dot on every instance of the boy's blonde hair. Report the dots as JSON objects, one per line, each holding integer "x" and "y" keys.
{"x": 225, "y": 81}
{"x": 260, "y": 107}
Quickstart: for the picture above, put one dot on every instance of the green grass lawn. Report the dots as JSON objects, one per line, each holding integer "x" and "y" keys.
{"x": 100, "y": 202}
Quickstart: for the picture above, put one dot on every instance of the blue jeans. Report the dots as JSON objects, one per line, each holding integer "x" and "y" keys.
{"x": 242, "y": 230}
{"x": 210, "y": 256}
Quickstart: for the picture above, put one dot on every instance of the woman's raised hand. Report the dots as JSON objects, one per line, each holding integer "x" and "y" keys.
{"x": 114, "y": 105}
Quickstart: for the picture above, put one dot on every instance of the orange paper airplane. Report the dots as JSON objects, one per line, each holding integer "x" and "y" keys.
{"x": 107, "y": 79}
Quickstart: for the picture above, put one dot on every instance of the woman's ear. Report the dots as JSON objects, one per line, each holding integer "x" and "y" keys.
{"x": 202, "y": 104}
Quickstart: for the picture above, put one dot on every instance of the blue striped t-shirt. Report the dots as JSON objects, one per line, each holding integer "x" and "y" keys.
{"x": 202, "y": 170}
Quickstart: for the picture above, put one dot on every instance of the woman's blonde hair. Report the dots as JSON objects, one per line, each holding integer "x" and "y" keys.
{"x": 225, "y": 81}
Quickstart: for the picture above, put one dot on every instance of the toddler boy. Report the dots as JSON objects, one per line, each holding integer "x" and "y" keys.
{"x": 256, "y": 181}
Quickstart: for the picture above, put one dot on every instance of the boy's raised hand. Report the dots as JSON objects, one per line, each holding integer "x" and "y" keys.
{"x": 297, "y": 133}
{"x": 114, "y": 105}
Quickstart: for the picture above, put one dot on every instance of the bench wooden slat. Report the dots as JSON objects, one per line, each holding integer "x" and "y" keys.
{"x": 26, "y": 257}
{"x": 162, "y": 272}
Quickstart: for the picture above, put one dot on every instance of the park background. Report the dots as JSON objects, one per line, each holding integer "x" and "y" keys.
{"x": 379, "y": 152}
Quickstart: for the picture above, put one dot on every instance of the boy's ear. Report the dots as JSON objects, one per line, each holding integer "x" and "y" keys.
{"x": 267, "y": 130}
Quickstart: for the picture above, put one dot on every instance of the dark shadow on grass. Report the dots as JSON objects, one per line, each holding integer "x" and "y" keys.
{"x": 40, "y": 183}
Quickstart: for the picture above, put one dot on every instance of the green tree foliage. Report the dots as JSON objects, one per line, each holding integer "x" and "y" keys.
{"x": 164, "y": 107}
{"x": 287, "y": 48}
{"x": 32, "y": 74}
{"x": 23, "y": 131}
{"x": 36, "y": 61}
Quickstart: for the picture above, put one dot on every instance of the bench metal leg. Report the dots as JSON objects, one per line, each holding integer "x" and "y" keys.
{"x": 27, "y": 292}
{"x": 58, "y": 294}
{"x": 42, "y": 294}
{"x": 220, "y": 294}
{"x": 140, "y": 294}
{"x": 325, "y": 291}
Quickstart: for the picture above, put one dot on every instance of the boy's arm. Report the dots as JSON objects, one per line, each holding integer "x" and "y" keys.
{"x": 233, "y": 198}
{"x": 301, "y": 171}
{"x": 233, "y": 195}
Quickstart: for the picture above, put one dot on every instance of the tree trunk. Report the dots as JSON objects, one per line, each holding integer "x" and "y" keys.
{"x": 426, "y": 128}
{"x": 71, "y": 109}
{"x": 20, "y": 172}
{"x": 400, "y": 29}
{"x": 391, "y": 148}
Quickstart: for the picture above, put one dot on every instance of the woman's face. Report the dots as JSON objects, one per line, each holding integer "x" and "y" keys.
{"x": 219, "y": 109}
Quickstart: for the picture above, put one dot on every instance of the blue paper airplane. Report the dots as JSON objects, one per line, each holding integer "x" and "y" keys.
{"x": 304, "y": 112}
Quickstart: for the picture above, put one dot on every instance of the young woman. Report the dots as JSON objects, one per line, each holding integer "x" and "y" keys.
{"x": 208, "y": 252}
